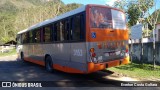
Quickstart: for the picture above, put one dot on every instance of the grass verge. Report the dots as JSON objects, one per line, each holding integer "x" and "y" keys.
{"x": 11, "y": 52}
{"x": 140, "y": 71}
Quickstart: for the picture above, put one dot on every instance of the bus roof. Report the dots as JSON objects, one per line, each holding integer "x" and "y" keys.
{"x": 75, "y": 11}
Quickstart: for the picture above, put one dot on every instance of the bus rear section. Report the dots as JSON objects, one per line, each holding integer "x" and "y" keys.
{"x": 107, "y": 38}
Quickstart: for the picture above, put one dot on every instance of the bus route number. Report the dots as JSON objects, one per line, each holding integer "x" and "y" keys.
{"x": 77, "y": 52}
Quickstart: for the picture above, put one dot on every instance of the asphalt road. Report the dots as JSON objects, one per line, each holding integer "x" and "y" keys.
{"x": 12, "y": 69}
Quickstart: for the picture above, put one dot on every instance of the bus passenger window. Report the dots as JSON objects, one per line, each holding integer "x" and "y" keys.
{"x": 37, "y": 36}
{"x": 47, "y": 34}
{"x": 24, "y": 37}
{"x": 62, "y": 30}
{"x": 18, "y": 39}
{"x": 77, "y": 28}
{"x": 30, "y": 37}
{"x": 71, "y": 28}
{"x": 66, "y": 30}
{"x": 56, "y": 32}
{"x": 82, "y": 36}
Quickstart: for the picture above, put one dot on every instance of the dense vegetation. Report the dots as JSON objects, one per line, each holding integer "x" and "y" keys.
{"x": 16, "y": 15}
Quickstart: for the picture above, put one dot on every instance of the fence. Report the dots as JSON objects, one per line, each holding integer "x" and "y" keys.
{"x": 6, "y": 49}
{"x": 147, "y": 52}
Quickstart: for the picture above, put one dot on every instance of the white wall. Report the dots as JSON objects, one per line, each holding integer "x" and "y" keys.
{"x": 157, "y": 32}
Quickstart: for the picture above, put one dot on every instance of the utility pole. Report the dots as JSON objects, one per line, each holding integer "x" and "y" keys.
{"x": 154, "y": 46}
{"x": 154, "y": 40}
{"x": 141, "y": 40}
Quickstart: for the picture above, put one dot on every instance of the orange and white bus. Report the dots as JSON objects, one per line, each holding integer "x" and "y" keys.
{"x": 84, "y": 40}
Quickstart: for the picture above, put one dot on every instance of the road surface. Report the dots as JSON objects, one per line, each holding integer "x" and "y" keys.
{"x": 12, "y": 69}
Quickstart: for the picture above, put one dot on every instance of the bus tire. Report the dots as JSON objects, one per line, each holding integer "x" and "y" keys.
{"x": 49, "y": 64}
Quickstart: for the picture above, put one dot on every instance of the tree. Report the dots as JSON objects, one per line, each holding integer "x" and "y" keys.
{"x": 151, "y": 19}
{"x": 138, "y": 9}
{"x": 121, "y": 4}
{"x": 17, "y": 15}
{"x": 133, "y": 14}
{"x": 33, "y": 15}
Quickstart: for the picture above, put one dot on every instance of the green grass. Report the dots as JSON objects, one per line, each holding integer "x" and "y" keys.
{"x": 140, "y": 71}
{"x": 12, "y": 52}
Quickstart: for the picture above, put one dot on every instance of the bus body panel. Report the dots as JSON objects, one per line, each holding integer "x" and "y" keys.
{"x": 78, "y": 52}
{"x": 58, "y": 51}
{"x": 65, "y": 55}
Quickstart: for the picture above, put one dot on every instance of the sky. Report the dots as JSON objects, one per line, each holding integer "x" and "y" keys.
{"x": 157, "y": 6}
{"x": 103, "y": 2}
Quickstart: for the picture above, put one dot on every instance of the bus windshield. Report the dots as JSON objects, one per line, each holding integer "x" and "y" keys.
{"x": 101, "y": 17}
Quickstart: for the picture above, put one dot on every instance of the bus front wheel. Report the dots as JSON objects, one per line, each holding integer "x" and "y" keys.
{"x": 49, "y": 64}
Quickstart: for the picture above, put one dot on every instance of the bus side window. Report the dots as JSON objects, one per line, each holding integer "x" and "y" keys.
{"x": 62, "y": 30}
{"x": 37, "y": 36}
{"x": 56, "y": 32}
{"x": 24, "y": 37}
{"x": 66, "y": 30}
{"x": 47, "y": 34}
{"x": 82, "y": 36}
{"x": 77, "y": 28}
{"x": 27, "y": 37}
{"x": 30, "y": 37}
{"x": 71, "y": 28}
{"x": 18, "y": 39}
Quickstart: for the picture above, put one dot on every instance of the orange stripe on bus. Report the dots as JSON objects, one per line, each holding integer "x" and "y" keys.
{"x": 113, "y": 63}
{"x": 55, "y": 66}
{"x": 66, "y": 69}
{"x": 35, "y": 61}
{"x": 126, "y": 60}
{"x": 95, "y": 67}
